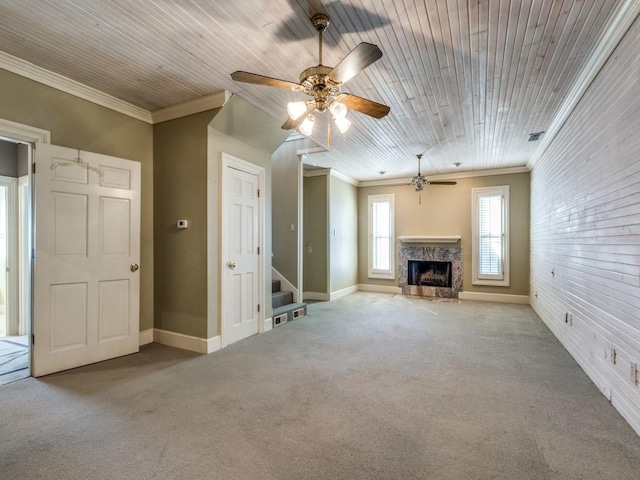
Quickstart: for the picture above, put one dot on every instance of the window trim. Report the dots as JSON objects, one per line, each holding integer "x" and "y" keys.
{"x": 381, "y": 198}
{"x": 476, "y": 193}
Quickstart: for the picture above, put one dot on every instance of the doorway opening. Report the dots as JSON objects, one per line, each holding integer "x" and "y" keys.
{"x": 15, "y": 260}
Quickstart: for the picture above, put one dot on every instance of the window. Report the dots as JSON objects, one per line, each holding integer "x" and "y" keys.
{"x": 381, "y": 236}
{"x": 490, "y": 235}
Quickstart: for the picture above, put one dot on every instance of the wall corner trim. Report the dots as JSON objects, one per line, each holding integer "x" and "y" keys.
{"x": 38, "y": 74}
{"x": 494, "y": 297}
{"x": 197, "y": 105}
{"x": 187, "y": 342}
{"x": 343, "y": 292}
{"x": 267, "y": 325}
{"x": 145, "y": 337}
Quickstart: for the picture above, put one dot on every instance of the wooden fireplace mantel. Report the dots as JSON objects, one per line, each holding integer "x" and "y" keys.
{"x": 422, "y": 239}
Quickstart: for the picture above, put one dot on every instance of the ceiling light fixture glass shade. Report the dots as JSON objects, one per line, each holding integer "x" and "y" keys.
{"x": 338, "y": 110}
{"x": 296, "y": 109}
{"x": 307, "y": 126}
{"x": 342, "y": 123}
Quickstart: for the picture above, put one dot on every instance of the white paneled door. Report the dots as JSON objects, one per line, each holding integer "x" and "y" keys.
{"x": 87, "y": 249}
{"x": 242, "y": 266}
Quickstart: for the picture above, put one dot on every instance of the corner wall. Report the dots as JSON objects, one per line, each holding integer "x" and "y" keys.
{"x": 442, "y": 210}
{"x": 343, "y": 235}
{"x": 585, "y": 230}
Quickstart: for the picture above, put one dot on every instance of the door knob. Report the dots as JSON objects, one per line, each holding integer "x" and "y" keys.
{"x": 231, "y": 265}
{"x": 134, "y": 267}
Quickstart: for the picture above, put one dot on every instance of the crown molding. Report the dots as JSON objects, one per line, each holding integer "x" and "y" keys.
{"x": 316, "y": 172}
{"x": 617, "y": 26}
{"x": 447, "y": 176}
{"x": 38, "y": 74}
{"x": 345, "y": 178}
{"x": 198, "y": 105}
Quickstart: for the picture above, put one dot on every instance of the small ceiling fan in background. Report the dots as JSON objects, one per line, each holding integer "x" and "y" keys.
{"x": 323, "y": 84}
{"x": 419, "y": 181}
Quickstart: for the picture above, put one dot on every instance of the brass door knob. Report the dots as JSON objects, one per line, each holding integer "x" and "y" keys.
{"x": 231, "y": 265}
{"x": 134, "y": 267}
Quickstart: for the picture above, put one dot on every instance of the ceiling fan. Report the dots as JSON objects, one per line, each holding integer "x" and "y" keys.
{"x": 420, "y": 180}
{"x": 323, "y": 84}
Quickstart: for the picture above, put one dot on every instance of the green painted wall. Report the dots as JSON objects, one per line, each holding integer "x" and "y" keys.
{"x": 316, "y": 229}
{"x": 343, "y": 234}
{"x": 284, "y": 198}
{"x": 77, "y": 123}
{"x": 180, "y": 177}
{"x": 446, "y": 210}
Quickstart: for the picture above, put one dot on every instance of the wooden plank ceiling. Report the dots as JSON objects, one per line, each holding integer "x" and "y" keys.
{"x": 466, "y": 80}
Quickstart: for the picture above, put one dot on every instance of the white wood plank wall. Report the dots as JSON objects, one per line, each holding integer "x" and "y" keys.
{"x": 585, "y": 230}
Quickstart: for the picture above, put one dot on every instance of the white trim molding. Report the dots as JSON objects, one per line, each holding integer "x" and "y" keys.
{"x": 145, "y": 337}
{"x": 23, "y": 133}
{"x": 64, "y": 84}
{"x": 322, "y": 297}
{"x": 343, "y": 292}
{"x": 369, "y": 287}
{"x": 494, "y": 297}
{"x": 447, "y": 176}
{"x": 198, "y": 105}
{"x": 344, "y": 178}
{"x": 187, "y": 342}
{"x": 419, "y": 239}
{"x": 267, "y": 324}
{"x": 288, "y": 286}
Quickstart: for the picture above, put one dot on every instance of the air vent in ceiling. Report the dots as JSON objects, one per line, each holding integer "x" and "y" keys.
{"x": 534, "y": 137}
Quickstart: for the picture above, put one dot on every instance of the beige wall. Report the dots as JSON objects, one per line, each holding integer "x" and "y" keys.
{"x": 316, "y": 228}
{"x": 180, "y": 177}
{"x": 77, "y": 123}
{"x": 284, "y": 198}
{"x": 8, "y": 159}
{"x": 343, "y": 234}
{"x": 446, "y": 210}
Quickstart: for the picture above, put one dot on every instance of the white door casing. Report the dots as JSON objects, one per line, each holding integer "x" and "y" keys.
{"x": 87, "y": 243}
{"x": 242, "y": 240}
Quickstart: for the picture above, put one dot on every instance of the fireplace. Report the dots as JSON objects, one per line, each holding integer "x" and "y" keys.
{"x": 429, "y": 273}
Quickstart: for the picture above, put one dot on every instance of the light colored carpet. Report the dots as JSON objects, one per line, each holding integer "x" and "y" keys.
{"x": 366, "y": 387}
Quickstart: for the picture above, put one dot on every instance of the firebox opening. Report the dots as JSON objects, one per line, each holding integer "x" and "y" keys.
{"x": 429, "y": 273}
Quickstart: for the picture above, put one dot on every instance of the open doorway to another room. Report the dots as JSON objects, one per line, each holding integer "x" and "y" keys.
{"x": 15, "y": 261}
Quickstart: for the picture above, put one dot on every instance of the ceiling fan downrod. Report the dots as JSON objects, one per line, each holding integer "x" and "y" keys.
{"x": 320, "y": 23}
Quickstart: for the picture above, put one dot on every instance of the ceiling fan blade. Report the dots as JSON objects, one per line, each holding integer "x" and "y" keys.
{"x": 442, "y": 183}
{"x": 247, "y": 77}
{"x": 357, "y": 60}
{"x": 362, "y": 105}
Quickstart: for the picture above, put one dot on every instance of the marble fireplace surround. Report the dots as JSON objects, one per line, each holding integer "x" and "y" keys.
{"x": 451, "y": 254}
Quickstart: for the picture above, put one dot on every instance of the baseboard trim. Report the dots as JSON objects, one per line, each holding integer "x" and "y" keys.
{"x": 494, "y": 297}
{"x": 368, "y": 287}
{"x": 323, "y": 297}
{"x": 187, "y": 342}
{"x": 267, "y": 325}
{"x": 145, "y": 337}
{"x": 343, "y": 293}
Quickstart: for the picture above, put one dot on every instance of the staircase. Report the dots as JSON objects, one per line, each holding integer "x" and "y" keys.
{"x": 284, "y": 310}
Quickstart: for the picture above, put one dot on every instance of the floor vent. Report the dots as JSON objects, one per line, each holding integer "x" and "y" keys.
{"x": 280, "y": 319}
{"x": 298, "y": 313}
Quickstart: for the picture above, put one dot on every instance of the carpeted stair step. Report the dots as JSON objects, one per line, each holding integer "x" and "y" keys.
{"x": 280, "y": 299}
{"x": 275, "y": 286}
{"x": 292, "y": 311}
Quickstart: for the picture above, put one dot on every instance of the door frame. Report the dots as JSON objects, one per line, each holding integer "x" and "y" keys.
{"x": 12, "y": 297}
{"x": 229, "y": 161}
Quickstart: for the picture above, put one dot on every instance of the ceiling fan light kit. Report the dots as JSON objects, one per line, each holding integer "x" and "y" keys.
{"x": 323, "y": 84}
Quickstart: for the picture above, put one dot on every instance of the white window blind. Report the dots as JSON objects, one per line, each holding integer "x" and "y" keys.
{"x": 381, "y": 236}
{"x": 491, "y": 228}
{"x": 490, "y": 236}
